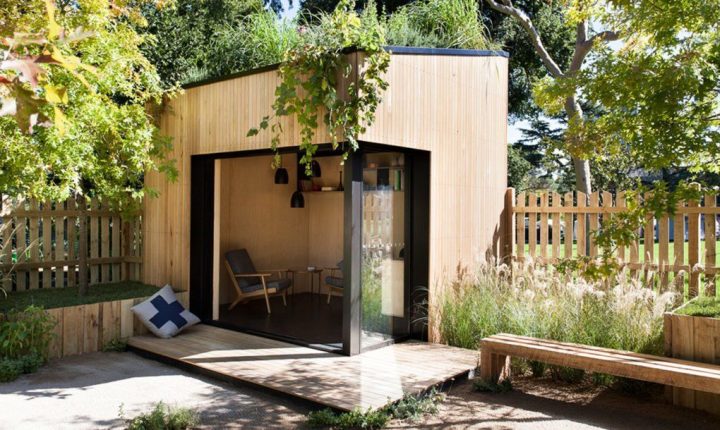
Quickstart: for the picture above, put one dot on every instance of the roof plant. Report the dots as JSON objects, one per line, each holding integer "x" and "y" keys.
{"x": 311, "y": 71}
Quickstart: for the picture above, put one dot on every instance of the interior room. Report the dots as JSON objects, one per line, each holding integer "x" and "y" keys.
{"x": 291, "y": 228}
{"x": 285, "y": 228}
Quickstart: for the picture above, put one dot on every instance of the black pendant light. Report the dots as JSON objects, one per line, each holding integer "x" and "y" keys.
{"x": 281, "y": 175}
{"x": 297, "y": 200}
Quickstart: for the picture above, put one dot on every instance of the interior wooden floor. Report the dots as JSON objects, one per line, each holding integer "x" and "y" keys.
{"x": 372, "y": 379}
{"x": 307, "y": 318}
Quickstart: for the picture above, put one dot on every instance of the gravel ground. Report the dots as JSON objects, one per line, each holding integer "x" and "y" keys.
{"x": 543, "y": 404}
{"x": 86, "y": 392}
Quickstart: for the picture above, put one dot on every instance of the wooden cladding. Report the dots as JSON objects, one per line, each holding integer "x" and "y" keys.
{"x": 89, "y": 328}
{"x": 696, "y": 339}
{"x": 40, "y": 243}
{"x": 548, "y": 227}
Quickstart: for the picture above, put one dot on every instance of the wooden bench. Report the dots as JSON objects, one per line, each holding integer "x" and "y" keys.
{"x": 496, "y": 350}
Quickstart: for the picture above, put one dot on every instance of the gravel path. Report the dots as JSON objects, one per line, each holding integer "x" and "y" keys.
{"x": 549, "y": 405}
{"x": 86, "y": 392}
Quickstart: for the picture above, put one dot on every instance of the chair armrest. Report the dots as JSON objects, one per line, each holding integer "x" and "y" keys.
{"x": 274, "y": 270}
{"x": 252, "y": 275}
{"x": 332, "y": 270}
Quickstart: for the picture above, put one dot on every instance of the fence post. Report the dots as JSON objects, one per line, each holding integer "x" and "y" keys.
{"x": 125, "y": 270}
{"x": 509, "y": 226}
{"x": 710, "y": 239}
{"x": 83, "y": 245}
{"x": 693, "y": 247}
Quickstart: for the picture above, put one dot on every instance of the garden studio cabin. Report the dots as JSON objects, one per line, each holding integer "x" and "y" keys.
{"x": 342, "y": 259}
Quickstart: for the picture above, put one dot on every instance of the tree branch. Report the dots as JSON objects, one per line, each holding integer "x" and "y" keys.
{"x": 583, "y": 45}
{"x": 508, "y": 9}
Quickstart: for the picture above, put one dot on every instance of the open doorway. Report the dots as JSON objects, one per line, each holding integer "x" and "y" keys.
{"x": 342, "y": 253}
{"x": 288, "y": 229}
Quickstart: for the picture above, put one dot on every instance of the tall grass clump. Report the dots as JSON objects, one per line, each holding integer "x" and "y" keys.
{"x": 261, "y": 39}
{"x": 539, "y": 301}
{"x": 438, "y": 24}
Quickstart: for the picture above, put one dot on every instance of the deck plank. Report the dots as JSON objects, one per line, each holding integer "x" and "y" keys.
{"x": 368, "y": 380}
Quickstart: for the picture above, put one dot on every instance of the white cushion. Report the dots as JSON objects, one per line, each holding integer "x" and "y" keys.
{"x": 163, "y": 314}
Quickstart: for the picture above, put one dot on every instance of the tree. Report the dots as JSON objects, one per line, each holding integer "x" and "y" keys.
{"x": 654, "y": 94}
{"x": 660, "y": 93}
{"x": 525, "y": 65}
{"x": 584, "y": 44}
{"x": 75, "y": 91}
{"x": 180, "y": 38}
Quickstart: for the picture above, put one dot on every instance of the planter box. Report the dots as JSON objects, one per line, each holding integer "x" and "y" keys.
{"x": 697, "y": 339}
{"x": 88, "y": 328}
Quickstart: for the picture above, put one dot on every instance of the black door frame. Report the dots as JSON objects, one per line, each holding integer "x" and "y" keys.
{"x": 417, "y": 210}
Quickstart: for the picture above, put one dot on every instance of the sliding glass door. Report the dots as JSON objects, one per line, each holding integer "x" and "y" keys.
{"x": 382, "y": 275}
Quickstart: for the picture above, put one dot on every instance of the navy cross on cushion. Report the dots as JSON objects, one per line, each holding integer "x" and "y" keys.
{"x": 163, "y": 315}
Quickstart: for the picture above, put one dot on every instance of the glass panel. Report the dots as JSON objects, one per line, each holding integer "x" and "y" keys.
{"x": 383, "y": 247}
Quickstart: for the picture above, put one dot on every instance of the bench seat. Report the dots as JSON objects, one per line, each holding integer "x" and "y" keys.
{"x": 496, "y": 350}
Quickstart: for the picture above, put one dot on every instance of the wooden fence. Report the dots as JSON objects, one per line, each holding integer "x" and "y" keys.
{"x": 40, "y": 244}
{"x": 683, "y": 245}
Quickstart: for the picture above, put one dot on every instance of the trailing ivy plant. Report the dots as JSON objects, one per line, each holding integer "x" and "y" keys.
{"x": 310, "y": 74}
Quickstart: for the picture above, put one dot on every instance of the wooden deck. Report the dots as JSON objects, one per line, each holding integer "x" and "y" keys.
{"x": 372, "y": 379}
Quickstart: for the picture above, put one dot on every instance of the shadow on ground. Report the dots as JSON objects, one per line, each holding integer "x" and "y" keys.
{"x": 546, "y": 404}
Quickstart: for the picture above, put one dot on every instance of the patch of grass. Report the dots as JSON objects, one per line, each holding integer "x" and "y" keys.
{"x": 163, "y": 417}
{"x": 483, "y": 386}
{"x": 116, "y": 345}
{"x": 702, "y": 307}
{"x": 61, "y": 297}
{"x": 410, "y": 407}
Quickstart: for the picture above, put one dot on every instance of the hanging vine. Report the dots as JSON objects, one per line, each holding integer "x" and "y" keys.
{"x": 311, "y": 72}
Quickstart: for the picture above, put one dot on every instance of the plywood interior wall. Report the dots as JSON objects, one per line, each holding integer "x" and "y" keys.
{"x": 255, "y": 214}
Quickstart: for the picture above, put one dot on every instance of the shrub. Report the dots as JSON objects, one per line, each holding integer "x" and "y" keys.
{"x": 414, "y": 407}
{"x": 24, "y": 340}
{"x": 163, "y": 417}
{"x": 370, "y": 419}
{"x": 410, "y": 407}
{"x": 26, "y": 333}
{"x": 11, "y": 368}
{"x": 540, "y": 302}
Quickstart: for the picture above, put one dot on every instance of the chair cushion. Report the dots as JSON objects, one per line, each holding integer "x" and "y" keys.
{"x": 163, "y": 314}
{"x": 240, "y": 263}
{"x": 335, "y": 281}
{"x": 278, "y": 284}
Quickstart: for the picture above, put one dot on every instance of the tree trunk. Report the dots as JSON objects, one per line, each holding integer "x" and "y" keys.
{"x": 581, "y": 166}
{"x": 83, "y": 285}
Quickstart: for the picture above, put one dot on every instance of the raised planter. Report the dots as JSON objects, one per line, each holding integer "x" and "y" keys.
{"x": 88, "y": 328}
{"x": 693, "y": 338}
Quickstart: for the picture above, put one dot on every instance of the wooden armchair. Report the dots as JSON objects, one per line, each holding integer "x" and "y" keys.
{"x": 250, "y": 283}
{"x": 335, "y": 281}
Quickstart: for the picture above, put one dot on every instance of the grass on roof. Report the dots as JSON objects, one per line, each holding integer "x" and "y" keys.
{"x": 702, "y": 307}
{"x": 61, "y": 297}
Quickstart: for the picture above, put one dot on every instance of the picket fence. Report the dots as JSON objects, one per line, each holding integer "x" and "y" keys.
{"x": 683, "y": 246}
{"x": 40, "y": 243}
